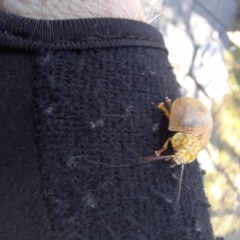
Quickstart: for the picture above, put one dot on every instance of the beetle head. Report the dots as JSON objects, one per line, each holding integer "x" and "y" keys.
{"x": 182, "y": 156}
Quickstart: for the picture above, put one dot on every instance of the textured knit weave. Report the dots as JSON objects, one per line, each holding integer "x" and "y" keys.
{"x": 72, "y": 102}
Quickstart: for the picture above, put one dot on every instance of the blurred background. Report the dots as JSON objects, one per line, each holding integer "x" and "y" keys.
{"x": 203, "y": 39}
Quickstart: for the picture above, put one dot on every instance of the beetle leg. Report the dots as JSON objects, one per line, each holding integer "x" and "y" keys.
{"x": 168, "y": 158}
{"x": 169, "y": 102}
{"x": 163, "y": 108}
{"x": 173, "y": 165}
{"x": 164, "y": 147}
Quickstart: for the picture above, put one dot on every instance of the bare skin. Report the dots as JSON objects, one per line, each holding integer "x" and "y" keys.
{"x": 72, "y": 9}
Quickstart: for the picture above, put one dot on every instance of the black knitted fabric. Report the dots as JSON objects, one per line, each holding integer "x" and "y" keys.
{"x": 78, "y": 100}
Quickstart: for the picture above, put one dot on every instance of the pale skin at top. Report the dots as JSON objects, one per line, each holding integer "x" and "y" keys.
{"x": 73, "y": 9}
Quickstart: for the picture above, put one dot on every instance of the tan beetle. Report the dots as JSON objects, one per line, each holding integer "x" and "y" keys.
{"x": 193, "y": 123}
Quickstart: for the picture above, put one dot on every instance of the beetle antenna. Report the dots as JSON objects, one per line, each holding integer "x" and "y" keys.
{"x": 142, "y": 161}
{"x": 180, "y": 183}
{"x": 155, "y": 158}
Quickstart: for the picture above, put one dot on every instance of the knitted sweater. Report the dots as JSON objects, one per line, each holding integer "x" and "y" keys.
{"x": 78, "y": 109}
